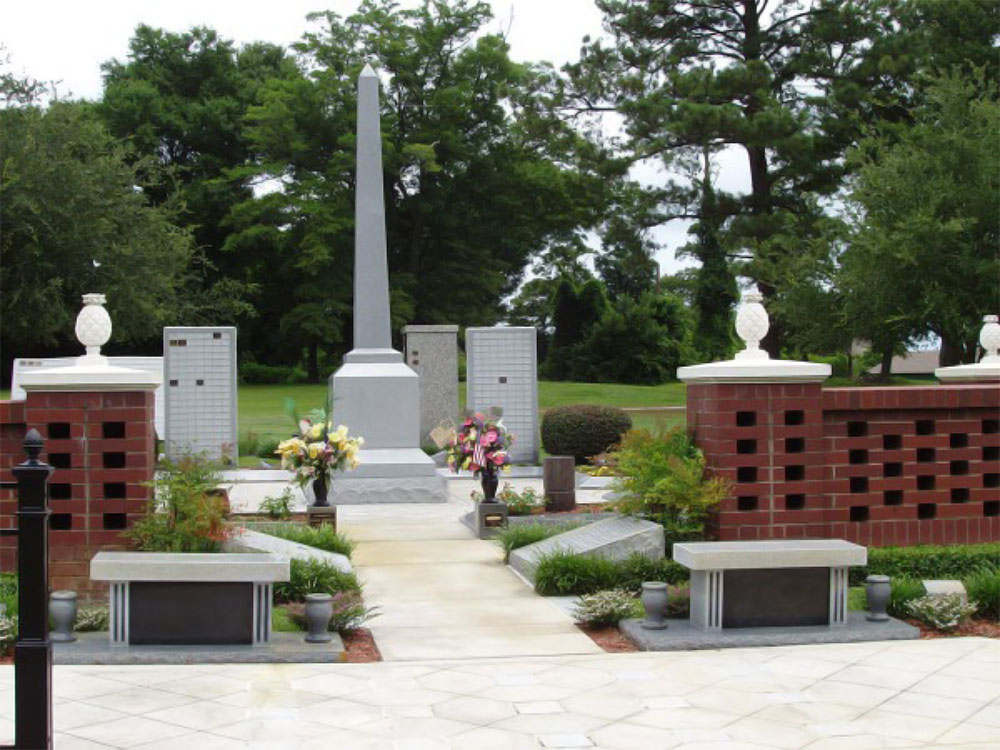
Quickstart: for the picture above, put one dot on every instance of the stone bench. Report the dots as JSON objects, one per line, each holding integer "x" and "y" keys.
{"x": 769, "y": 583}
{"x": 186, "y": 598}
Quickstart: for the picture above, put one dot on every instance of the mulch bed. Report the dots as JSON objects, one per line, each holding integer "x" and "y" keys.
{"x": 359, "y": 647}
{"x": 972, "y": 628}
{"x": 610, "y": 638}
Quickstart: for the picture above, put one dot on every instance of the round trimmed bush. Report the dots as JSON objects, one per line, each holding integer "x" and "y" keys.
{"x": 583, "y": 430}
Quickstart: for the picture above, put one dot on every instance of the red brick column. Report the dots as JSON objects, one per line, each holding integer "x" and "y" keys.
{"x": 767, "y": 440}
{"x": 103, "y": 447}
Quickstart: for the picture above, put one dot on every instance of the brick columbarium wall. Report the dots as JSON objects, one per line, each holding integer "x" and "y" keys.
{"x": 98, "y": 424}
{"x": 877, "y": 466}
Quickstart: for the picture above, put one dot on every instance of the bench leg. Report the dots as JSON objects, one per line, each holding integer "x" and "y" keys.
{"x": 706, "y": 599}
{"x": 838, "y": 596}
{"x": 118, "y": 614}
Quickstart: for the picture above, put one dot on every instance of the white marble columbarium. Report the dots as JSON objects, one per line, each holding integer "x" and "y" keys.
{"x": 374, "y": 392}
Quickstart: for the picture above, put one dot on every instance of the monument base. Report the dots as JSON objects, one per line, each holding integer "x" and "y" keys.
{"x": 358, "y": 491}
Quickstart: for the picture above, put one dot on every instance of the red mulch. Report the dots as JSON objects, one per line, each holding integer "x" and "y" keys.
{"x": 972, "y": 628}
{"x": 610, "y": 638}
{"x": 359, "y": 647}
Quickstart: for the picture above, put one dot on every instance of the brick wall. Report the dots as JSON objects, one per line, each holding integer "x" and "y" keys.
{"x": 877, "y": 466}
{"x": 102, "y": 446}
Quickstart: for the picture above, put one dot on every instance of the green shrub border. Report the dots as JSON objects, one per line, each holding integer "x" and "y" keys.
{"x": 928, "y": 562}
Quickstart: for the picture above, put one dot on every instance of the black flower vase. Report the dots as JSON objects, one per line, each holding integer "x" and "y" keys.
{"x": 319, "y": 491}
{"x": 489, "y": 481}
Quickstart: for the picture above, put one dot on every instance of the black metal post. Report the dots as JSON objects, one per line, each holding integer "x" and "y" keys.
{"x": 33, "y": 649}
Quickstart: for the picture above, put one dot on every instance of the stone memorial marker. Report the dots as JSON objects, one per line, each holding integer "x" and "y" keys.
{"x": 374, "y": 393}
{"x": 613, "y": 539}
{"x": 432, "y": 351}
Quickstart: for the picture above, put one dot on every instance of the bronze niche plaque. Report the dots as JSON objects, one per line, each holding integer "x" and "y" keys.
{"x": 493, "y": 520}
{"x": 775, "y": 597}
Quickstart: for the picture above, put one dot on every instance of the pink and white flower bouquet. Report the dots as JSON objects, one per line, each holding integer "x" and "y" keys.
{"x": 480, "y": 445}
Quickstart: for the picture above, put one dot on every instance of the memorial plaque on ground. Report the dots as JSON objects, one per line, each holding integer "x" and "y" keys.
{"x": 613, "y": 539}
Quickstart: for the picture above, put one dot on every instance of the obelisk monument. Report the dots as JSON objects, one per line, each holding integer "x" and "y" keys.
{"x": 374, "y": 393}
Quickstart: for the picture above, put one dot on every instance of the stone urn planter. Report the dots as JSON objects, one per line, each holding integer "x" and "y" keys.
{"x": 319, "y": 611}
{"x": 62, "y": 610}
{"x": 654, "y": 600}
{"x": 878, "y": 589}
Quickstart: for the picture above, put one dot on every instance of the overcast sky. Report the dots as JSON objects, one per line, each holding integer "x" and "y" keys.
{"x": 66, "y": 42}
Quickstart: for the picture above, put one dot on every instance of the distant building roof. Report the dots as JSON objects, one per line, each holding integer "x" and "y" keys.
{"x": 922, "y": 362}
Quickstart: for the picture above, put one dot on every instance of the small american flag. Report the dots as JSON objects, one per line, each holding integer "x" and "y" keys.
{"x": 478, "y": 455}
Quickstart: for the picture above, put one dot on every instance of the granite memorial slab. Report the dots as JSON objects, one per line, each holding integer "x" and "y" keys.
{"x": 776, "y": 583}
{"x": 613, "y": 539}
{"x": 164, "y": 598}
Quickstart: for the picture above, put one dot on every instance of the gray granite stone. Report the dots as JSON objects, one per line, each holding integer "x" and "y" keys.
{"x": 680, "y": 635}
{"x": 613, "y": 539}
{"x": 188, "y": 566}
{"x": 946, "y": 587}
{"x": 790, "y": 553}
{"x": 360, "y": 491}
{"x": 502, "y": 372}
{"x": 257, "y": 540}
{"x": 284, "y": 648}
{"x": 432, "y": 351}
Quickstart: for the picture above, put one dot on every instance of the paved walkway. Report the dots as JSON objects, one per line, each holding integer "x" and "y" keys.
{"x": 932, "y": 695}
{"x": 442, "y": 593}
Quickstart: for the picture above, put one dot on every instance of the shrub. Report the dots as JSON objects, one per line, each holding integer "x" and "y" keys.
{"x": 277, "y": 508}
{"x": 92, "y": 618}
{"x": 8, "y": 633}
{"x": 566, "y": 574}
{"x": 314, "y": 577}
{"x": 606, "y": 608}
{"x": 942, "y": 611}
{"x": 522, "y": 534}
{"x": 583, "y": 430}
{"x": 902, "y": 591}
{"x": 186, "y": 513}
{"x": 253, "y": 444}
{"x": 929, "y": 561}
{"x": 324, "y": 537}
{"x": 255, "y": 373}
{"x": 983, "y": 588}
{"x": 8, "y": 594}
{"x": 664, "y": 479}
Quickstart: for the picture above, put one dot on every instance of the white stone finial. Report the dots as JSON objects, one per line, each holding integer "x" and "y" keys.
{"x": 752, "y": 325}
{"x": 93, "y": 325}
{"x": 989, "y": 339}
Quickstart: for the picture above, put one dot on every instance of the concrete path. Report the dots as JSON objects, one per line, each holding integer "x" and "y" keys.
{"x": 442, "y": 593}
{"x": 929, "y": 695}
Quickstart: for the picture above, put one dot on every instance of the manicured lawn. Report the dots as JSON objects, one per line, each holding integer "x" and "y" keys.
{"x": 262, "y": 407}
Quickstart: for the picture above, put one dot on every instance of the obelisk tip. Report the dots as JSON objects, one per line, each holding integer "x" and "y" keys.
{"x": 368, "y": 72}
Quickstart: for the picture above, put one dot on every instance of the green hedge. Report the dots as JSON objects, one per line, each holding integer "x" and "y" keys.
{"x": 583, "y": 430}
{"x": 566, "y": 574}
{"x": 927, "y": 562}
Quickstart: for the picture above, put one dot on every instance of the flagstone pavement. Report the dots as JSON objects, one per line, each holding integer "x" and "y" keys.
{"x": 940, "y": 694}
{"x": 475, "y": 661}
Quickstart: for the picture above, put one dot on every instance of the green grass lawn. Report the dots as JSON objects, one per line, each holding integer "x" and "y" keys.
{"x": 262, "y": 407}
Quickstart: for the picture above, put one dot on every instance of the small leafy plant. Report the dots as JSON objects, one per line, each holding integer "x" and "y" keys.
{"x": 902, "y": 591}
{"x": 187, "y": 513}
{"x": 8, "y": 633}
{"x": 944, "y": 612}
{"x": 92, "y": 618}
{"x": 664, "y": 479}
{"x": 314, "y": 577}
{"x": 606, "y": 608}
{"x": 278, "y": 508}
{"x": 518, "y": 503}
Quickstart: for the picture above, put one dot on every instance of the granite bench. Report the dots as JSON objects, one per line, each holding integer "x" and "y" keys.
{"x": 187, "y": 598}
{"x": 782, "y": 583}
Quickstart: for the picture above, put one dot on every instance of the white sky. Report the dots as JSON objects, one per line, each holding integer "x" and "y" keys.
{"x": 66, "y": 41}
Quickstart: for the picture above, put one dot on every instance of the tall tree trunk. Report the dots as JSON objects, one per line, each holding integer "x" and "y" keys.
{"x": 886, "y": 363}
{"x": 951, "y": 352}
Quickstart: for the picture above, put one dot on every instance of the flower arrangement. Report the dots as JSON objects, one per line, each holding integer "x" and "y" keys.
{"x": 481, "y": 445}
{"x": 319, "y": 451}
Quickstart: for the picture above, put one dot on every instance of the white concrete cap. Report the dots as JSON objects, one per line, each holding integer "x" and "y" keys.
{"x": 755, "y": 371}
{"x": 986, "y": 369}
{"x": 90, "y": 374}
{"x": 188, "y": 566}
{"x": 785, "y": 553}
